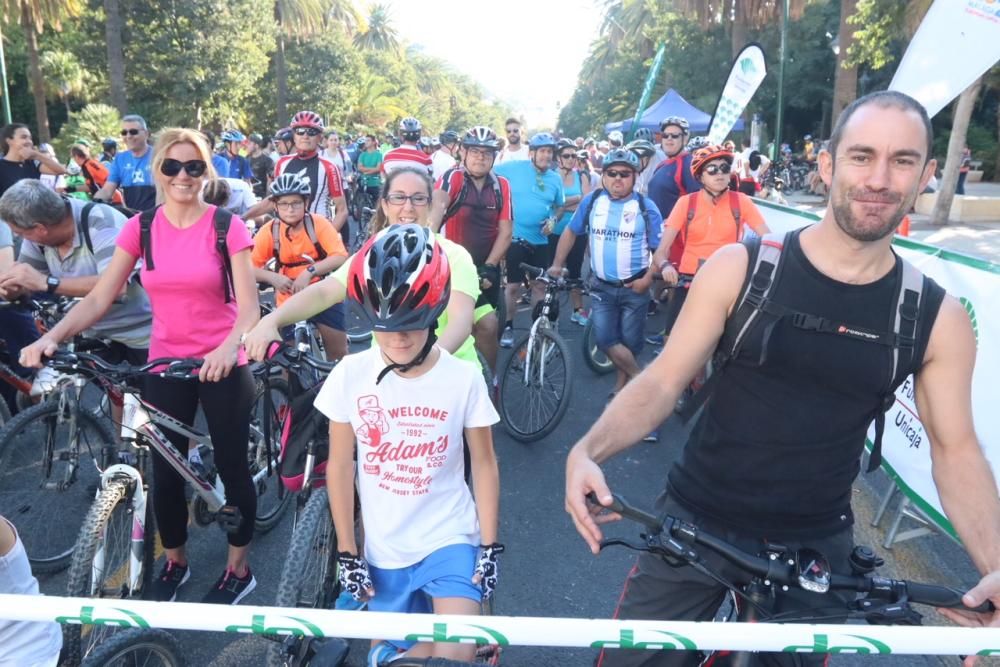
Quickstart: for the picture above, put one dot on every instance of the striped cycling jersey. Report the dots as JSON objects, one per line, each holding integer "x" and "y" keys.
{"x": 406, "y": 156}
{"x": 621, "y": 236}
{"x": 324, "y": 178}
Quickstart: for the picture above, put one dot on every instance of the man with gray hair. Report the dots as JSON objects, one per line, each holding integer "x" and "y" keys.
{"x": 66, "y": 244}
{"x": 131, "y": 169}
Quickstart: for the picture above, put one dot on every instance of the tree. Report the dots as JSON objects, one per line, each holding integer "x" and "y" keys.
{"x": 34, "y": 16}
{"x": 845, "y": 86}
{"x": 376, "y": 104}
{"x": 380, "y": 35}
{"x": 114, "y": 26}
{"x": 64, "y": 76}
{"x": 297, "y": 19}
{"x": 956, "y": 144}
{"x": 93, "y": 122}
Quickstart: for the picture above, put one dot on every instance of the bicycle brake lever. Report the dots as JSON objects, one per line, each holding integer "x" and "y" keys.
{"x": 892, "y": 613}
{"x": 621, "y": 542}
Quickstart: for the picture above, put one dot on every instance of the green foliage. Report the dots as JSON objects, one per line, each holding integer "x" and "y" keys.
{"x": 93, "y": 122}
{"x": 191, "y": 63}
{"x": 981, "y": 140}
{"x": 321, "y": 77}
{"x": 878, "y": 27}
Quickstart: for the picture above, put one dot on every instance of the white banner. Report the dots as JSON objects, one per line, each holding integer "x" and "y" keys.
{"x": 507, "y": 630}
{"x": 976, "y": 284}
{"x": 956, "y": 42}
{"x": 749, "y": 69}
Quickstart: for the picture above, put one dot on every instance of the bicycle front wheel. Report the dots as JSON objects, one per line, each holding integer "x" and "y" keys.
{"x": 100, "y": 566}
{"x": 272, "y": 497}
{"x": 309, "y": 578}
{"x": 150, "y": 647}
{"x": 535, "y": 386}
{"x": 49, "y": 477}
{"x": 593, "y": 355}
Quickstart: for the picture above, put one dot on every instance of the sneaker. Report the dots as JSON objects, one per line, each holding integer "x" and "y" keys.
{"x": 381, "y": 654}
{"x": 651, "y": 308}
{"x": 507, "y": 337}
{"x": 346, "y": 602}
{"x": 172, "y": 576}
{"x": 652, "y": 437}
{"x": 656, "y": 339}
{"x": 230, "y": 589}
{"x": 580, "y": 317}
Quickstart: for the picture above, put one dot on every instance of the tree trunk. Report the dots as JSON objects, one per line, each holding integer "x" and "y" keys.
{"x": 281, "y": 74}
{"x": 35, "y": 77}
{"x": 996, "y": 162}
{"x": 956, "y": 144}
{"x": 113, "y": 27}
{"x": 738, "y": 31}
{"x": 845, "y": 86}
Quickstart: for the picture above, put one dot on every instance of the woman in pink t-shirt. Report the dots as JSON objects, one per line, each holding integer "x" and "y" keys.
{"x": 191, "y": 319}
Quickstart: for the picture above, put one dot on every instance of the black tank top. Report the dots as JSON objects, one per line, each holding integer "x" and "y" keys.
{"x": 778, "y": 445}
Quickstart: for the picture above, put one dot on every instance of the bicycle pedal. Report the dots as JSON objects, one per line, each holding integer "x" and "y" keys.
{"x": 230, "y": 518}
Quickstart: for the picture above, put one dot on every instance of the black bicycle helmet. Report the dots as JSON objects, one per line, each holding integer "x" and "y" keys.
{"x": 481, "y": 136}
{"x": 565, "y": 143}
{"x": 410, "y": 129}
{"x": 290, "y": 184}
{"x": 642, "y": 148}
{"x": 448, "y": 137}
{"x": 108, "y": 142}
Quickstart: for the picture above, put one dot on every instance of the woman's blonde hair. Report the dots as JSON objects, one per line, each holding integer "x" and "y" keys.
{"x": 170, "y": 137}
{"x": 379, "y": 220}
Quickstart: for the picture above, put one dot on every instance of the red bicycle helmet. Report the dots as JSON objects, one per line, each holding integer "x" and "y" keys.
{"x": 401, "y": 279}
{"x": 703, "y": 156}
{"x": 307, "y": 119}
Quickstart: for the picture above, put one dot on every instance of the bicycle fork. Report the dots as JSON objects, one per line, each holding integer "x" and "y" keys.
{"x": 137, "y": 503}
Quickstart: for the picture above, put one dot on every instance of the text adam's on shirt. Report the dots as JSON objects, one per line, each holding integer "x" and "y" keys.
{"x": 414, "y": 499}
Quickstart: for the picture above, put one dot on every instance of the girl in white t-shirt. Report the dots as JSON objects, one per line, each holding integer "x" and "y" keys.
{"x": 405, "y": 406}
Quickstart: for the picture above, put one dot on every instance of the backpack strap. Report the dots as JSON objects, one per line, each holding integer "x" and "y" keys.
{"x": 84, "y": 226}
{"x": 222, "y": 220}
{"x": 460, "y": 198}
{"x": 763, "y": 269}
{"x": 692, "y": 203}
{"x": 310, "y": 228}
{"x": 590, "y": 207}
{"x": 276, "y": 243}
{"x": 909, "y": 299}
{"x": 146, "y": 237}
{"x": 734, "y": 206}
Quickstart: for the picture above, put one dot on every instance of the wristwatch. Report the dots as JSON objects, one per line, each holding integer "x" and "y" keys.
{"x": 311, "y": 268}
{"x": 52, "y": 284}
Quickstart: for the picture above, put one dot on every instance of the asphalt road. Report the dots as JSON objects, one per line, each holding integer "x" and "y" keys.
{"x": 547, "y": 570}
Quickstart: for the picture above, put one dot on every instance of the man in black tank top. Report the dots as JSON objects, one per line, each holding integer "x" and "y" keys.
{"x": 778, "y": 445}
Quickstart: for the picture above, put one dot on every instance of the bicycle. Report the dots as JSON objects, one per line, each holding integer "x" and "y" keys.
{"x": 113, "y": 555}
{"x": 881, "y": 601}
{"x": 138, "y": 646}
{"x": 535, "y": 382}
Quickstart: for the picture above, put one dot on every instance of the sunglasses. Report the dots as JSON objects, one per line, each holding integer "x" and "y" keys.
{"x": 672, "y": 135}
{"x": 398, "y": 199}
{"x": 307, "y": 132}
{"x": 611, "y": 173}
{"x": 568, "y": 156}
{"x": 131, "y": 131}
{"x": 714, "y": 169}
{"x": 194, "y": 168}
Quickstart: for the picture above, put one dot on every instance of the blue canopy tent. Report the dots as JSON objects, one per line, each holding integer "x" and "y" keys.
{"x": 671, "y": 104}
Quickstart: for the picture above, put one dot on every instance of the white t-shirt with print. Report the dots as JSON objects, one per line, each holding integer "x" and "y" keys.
{"x": 414, "y": 499}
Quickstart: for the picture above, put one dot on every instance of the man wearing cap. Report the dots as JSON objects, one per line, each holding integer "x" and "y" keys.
{"x": 443, "y": 158}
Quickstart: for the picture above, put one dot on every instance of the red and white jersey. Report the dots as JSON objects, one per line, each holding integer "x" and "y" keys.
{"x": 324, "y": 178}
{"x": 406, "y": 156}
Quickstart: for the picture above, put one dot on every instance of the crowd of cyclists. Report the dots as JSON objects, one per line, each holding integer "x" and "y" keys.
{"x": 167, "y": 242}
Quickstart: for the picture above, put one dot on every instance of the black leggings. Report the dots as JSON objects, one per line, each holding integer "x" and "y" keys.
{"x": 227, "y": 406}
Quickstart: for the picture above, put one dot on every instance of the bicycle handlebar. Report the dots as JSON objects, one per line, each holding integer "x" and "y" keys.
{"x": 74, "y": 362}
{"x": 543, "y": 274}
{"x": 288, "y": 357}
{"x": 671, "y": 534}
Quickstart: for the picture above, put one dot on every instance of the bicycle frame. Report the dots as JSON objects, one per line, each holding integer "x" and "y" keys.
{"x": 552, "y": 286}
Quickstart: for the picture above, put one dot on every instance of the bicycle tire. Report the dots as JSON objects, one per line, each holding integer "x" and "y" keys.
{"x": 272, "y": 497}
{"x": 311, "y": 561}
{"x": 5, "y": 415}
{"x": 108, "y": 524}
{"x": 136, "y": 646}
{"x": 595, "y": 358}
{"x": 23, "y": 467}
{"x": 518, "y": 400}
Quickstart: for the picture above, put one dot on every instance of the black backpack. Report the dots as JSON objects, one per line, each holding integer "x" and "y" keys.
{"x": 310, "y": 232}
{"x": 84, "y": 225}
{"x": 754, "y": 308}
{"x": 464, "y": 191}
{"x": 303, "y": 424}
{"x": 221, "y": 220}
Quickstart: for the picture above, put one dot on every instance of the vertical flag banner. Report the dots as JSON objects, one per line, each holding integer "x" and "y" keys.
{"x": 647, "y": 89}
{"x": 956, "y": 42}
{"x": 745, "y": 77}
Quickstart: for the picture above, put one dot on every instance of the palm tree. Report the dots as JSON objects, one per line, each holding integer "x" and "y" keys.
{"x": 378, "y": 103}
{"x": 380, "y": 35}
{"x": 64, "y": 76}
{"x": 296, "y": 19}
{"x": 114, "y": 24}
{"x": 34, "y": 16}
{"x": 346, "y": 14}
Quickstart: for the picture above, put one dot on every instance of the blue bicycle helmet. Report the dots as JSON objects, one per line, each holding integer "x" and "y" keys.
{"x": 232, "y": 135}
{"x": 542, "y": 140}
{"x": 643, "y": 134}
{"x": 623, "y": 157}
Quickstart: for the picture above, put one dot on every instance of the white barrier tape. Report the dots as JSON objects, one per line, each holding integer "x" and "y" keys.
{"x": 508, "y": 630}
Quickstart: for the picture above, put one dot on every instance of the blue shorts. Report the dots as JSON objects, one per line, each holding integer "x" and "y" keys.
{"x": 619, "y": 316}
{"x": 446, "y": 573}
{"x": 332, "y": 317}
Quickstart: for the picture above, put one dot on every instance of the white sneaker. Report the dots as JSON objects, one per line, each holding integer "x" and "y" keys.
{"x": 45, "y": 381}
